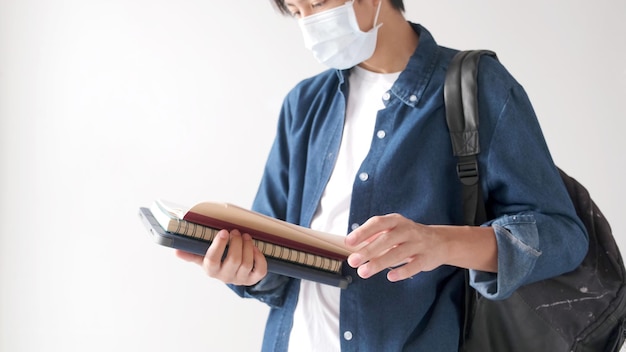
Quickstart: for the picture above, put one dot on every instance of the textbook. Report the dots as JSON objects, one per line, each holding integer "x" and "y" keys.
{"x": 260, "y": 227}
{"x": 173, "y": 223}
{"x": 290, "y": 250}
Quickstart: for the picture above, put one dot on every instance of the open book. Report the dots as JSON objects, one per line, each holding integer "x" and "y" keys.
{"x": 314, "y": 254}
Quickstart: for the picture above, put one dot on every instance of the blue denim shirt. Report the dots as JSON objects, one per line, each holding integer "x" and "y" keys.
{"x": 410, "y": 169}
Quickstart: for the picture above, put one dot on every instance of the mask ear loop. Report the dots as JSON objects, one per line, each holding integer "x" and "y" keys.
{"x": 377, "y": 12}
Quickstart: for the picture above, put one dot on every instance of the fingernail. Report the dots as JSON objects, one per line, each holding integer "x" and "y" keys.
{"x": 363, "y": 272}
{"x": 354, "y": 260}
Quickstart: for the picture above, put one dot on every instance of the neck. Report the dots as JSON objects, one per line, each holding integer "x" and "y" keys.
{"x": 395, "y": 44}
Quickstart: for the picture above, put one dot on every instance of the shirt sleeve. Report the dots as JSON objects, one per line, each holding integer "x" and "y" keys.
{"x": 518, "y": 250}
{"x": 270, "y": 290}
{"x": 538, "y": 233}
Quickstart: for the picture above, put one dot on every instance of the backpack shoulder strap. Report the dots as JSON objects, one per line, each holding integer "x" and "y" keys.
{"x": 461, "y": 104}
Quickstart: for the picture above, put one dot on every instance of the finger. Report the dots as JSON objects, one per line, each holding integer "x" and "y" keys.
{"x": 258, "y": 270}
{"x": 260, "y": 265}
{"x": 231, "y": 262}
{"x": 212, "y": 261}
{"x": 383, "y": 243}
{"x": 406, "y": 271}
{"x": 370, "y": 230}
{"x": 247, "y": 257}
{"x": 253, "y": 266}
{"x": 391, "y": 258}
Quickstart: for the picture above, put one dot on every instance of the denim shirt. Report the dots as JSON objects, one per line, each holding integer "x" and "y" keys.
{"x": 410, "y": 170}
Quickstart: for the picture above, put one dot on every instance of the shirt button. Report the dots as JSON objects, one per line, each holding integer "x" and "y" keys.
{"x": 386, "y": 96}
{"x": 354, "y": 226}
{"x": 413, "y": 98}
{"x": 363, "y": 176}
{"x": 347, "y": 335}
{"x": 381, "y": 134}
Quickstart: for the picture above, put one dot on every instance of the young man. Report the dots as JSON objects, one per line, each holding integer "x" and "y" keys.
{"x": 363, "y": 149}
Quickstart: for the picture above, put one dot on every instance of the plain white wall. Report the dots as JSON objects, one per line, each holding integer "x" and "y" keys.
{"x": 106, "y": 105}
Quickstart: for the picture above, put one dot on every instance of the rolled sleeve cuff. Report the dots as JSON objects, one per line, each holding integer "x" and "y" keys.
{"x": 270, "y": 290}
{"x": 518, "y": 241}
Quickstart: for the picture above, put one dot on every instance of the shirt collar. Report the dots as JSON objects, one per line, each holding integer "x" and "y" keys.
{"x": 412, "y": 82}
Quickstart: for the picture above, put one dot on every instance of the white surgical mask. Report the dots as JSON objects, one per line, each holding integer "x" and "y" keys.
{"x": 335, "y": 38}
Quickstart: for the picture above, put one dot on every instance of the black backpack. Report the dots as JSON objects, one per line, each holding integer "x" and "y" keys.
{"x": 584, "y": 310}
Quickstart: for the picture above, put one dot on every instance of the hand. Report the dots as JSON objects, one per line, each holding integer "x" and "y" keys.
{"x": 393, "y": 241}
{"x": 244, "y": 264}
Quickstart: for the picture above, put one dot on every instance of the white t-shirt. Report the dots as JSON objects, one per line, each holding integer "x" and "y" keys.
{"x": 316, "y": 319}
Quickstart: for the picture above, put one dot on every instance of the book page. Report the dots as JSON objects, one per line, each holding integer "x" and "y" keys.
{"x": 174, "y": 210}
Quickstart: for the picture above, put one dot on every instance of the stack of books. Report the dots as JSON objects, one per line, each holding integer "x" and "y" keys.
{"x": 290, "y": 250}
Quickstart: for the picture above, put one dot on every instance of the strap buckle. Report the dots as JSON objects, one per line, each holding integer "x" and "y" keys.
{"x": 467, "y": 170}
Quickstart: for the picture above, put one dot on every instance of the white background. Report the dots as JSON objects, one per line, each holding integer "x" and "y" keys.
{"x": 106, "y": 105}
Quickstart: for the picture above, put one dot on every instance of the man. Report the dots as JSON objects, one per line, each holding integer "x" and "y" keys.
{"x": 363, "y": 149}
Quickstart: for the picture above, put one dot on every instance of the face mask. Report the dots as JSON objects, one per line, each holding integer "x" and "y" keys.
{"x": 335, "y": 38}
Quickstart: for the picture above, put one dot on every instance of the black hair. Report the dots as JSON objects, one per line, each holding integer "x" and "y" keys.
{"x": 282, "y": 8}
